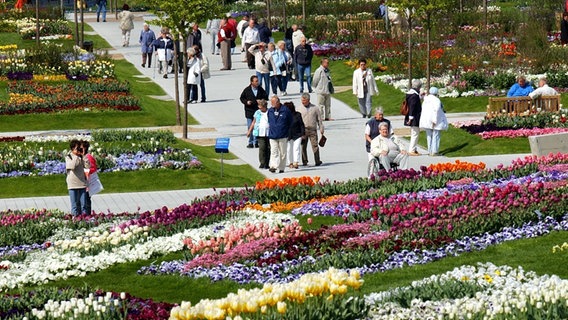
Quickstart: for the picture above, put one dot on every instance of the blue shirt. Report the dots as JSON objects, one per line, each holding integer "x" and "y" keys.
{"x": 518, "y": 91}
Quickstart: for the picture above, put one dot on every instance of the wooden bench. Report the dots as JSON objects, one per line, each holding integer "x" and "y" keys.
{"x": 521, "y": 106}
{"x": 549, "y": 143}
{"x": 361, "y": 27}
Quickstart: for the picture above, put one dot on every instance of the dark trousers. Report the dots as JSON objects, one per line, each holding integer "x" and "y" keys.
{"x": 147, "y": 57}
{"x": 202, "y": 87}
{"x": 312, "y": 135}
{"x": 192, "y": 92}
{"x": 277, "y": 82}
{"x": 250, "y": 56}
{"x": 263, "y": 151}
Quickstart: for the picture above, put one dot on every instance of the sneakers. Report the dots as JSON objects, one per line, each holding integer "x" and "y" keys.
{"x": 283, "y": 93}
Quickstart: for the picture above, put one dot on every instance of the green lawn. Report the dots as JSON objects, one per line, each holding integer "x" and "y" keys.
{"x": 144, "y": 180}
{"x": 155, "y": 112}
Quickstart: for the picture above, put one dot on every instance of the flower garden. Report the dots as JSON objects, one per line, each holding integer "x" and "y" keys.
{"x": 273, "y": 240}
{"x": 293, "y": 248}
{"x": 114, "y": 150}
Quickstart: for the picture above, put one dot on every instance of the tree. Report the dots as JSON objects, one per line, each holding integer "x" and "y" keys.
{"x": 427, "y": 10}
{"x": 176, "y": 15}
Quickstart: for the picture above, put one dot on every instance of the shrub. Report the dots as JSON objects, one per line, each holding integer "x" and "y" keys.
{"x": 475, "y": 80}
{"x": 502, "y": 80}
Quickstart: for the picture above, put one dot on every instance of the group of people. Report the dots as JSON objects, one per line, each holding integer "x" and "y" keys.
{"x": 79, "y": 165}
{"x": 281, "y": 131}
{"x": 426, "y": 112}
{"x": 523, "y": 88}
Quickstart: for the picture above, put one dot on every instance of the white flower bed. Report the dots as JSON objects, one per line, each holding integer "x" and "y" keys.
{"x": 44, "y": 266}
{"x": 509, "y": 294}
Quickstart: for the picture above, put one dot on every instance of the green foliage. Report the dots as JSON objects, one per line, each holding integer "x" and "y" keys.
{"x": 502, "y": 80}
{"x": 539, "y": 120}
{"x": 475, "y": 79}
{"x": 434, "y": 291}
{"x": 345, "y": 308}
{"x": 134, "y": 135}
{"x": 557, "y": 78}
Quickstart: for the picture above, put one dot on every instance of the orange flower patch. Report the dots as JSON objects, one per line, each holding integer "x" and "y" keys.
{"x": 282, "y": 183}
{"x": 456, "y": 166}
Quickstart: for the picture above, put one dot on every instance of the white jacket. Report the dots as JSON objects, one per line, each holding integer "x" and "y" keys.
{"x": 372, "y": 88}
{"x": 379, "y": 145}
{"x": 193, "y": 71}
{"x": 433, "y": 116}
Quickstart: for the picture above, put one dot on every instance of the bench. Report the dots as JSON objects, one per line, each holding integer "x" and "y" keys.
{"x": 361, "y": 27}
{"x": 521, "y": 106}
{"x": 549, "y": 143}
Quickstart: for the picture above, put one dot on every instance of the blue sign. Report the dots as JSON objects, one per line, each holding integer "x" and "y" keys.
{"x": 222, "y": 145}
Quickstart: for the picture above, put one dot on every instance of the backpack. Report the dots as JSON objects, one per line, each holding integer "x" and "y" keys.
{"x": 404, "y": 107}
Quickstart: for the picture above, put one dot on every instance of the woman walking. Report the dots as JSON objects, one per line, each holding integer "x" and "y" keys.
{"x": 126, "y": 24}
{"x": 295, "y": 135}
{"x": 147, "y": 38}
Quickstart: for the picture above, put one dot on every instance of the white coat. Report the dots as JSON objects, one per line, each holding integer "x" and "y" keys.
{"x": 372, "y": 88}
{"x": 433, "y": 116}
{"x": 193, "y": 71}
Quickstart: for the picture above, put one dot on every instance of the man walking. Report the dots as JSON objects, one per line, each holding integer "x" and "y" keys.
{"x": 303, "y": 55}
{"x": 312, "y": 120}
{"x": 102, "y": 7}
{"x": 225, "y": 37}
{"x": 249, "y": 98}
{"x": 250, "y": 38}
{"x": 324, "y": 88}
{"x": 279, "y": 121}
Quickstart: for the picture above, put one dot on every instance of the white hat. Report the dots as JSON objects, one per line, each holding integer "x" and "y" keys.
{"x": 434, "y": 91}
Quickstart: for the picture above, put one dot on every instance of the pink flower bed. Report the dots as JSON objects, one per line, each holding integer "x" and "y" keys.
{"x": 520, "y": 133}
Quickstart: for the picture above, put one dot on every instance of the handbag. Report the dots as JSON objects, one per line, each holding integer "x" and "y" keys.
{"x": 330, "y": 88}
{"x": 94, "y": 184}
{"x": 322, "y": 141}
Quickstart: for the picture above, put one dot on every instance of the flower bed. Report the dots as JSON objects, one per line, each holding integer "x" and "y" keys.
{"x": 458, "y": 208}
{"x": 34, "y": 97}
{"x": 142, "y": 151}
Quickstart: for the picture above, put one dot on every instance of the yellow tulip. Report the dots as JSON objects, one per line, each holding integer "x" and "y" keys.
{"x": 281, "y": 307}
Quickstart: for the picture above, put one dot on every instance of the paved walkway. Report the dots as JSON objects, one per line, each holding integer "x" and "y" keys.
{"x": 344, "y": 156}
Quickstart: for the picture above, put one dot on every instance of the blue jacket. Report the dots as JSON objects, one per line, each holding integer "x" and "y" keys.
{"x": 147, "y": 39}
{"x": 518, "y": 91}
{"x": 279, "y": 122}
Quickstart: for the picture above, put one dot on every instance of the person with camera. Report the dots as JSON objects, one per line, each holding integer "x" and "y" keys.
{"x": 76, "y": 179}
{"x": 264, "y": 64}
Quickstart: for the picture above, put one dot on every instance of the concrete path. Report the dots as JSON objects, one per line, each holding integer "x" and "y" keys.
{"x": 343, "y": 157}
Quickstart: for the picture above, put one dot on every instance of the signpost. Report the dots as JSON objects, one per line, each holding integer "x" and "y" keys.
{"x": 222, "y": 146}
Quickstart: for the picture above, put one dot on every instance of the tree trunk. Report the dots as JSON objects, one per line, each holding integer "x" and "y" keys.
{"x": 428, "y": 29}
{"x": 76, "y": 22}
{"x": 82, "y": 23}
{"x": 304, "y": 12}
{"x": 177, "y": 48}
{"x": 409, "y": 49}
{"x": 185, "y": 94}
{"x": 269, "y": 20}
{"x": 284, "y": 15}
{"x": 37, "y": 23}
